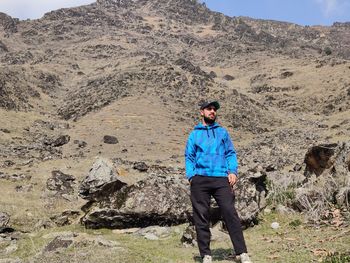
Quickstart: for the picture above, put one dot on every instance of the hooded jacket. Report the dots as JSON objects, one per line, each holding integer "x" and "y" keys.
{"x": 210, "y": 152}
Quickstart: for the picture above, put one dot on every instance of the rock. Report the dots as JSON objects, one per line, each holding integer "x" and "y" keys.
{"x": 318, "y": 158}
{"x": 327, "y": 170}
{"x": 110, "y": 139}
{"x": 212, "y": 74}
{"x": 57, "y": 142}
{"x": 4, "y": 130}
{"x": 126, "y": 231}
{"x": 286, "y": 74}
{"x": 343, "y": 196}
{"x": 158, "y": 200}
{"x": 189, "y": 237}
{"x": 284, "y": 210}
{"x": 6, "y": 230}
{"x": 8, "y": 163}
{"x": 101, "y": 181}
{"x": 151, "y": 236}
{"x": 15, "y": 177}
{"x": 275, "y": 225}
{"x": 81, "y": 144}
{"x": 164, "y": 200}
{"x": 66, "y": 218}
{"x": 58, "y": 243}
{"x": 8, "y": 23}
{"x": 218, "y": 233}
{"x": 154, "y": 232}
{"x": 106, "y": 243}
{"x": 250, "y": 195}
{"x": 4, "y": 219}
{"x": 228, "y": 77}
{"x": 24, "y": 188}
{"x": 61, "y": 183}
{"x": 141, "y": 166}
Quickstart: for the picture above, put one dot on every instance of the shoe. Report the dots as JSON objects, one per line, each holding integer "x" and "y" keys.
{"x": 245, "y": 258}
{"x": 206, "y": 259}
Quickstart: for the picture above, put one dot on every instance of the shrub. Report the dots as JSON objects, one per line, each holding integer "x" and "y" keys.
{"x": 337, "y": 258}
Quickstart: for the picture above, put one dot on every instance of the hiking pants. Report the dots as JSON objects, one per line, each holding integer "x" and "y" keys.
{"x": 202, "y": 188}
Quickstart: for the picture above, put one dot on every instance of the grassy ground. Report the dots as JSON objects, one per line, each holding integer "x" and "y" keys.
{"x": 293, "y": 241}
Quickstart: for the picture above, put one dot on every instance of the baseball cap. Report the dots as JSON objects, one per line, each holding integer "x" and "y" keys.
{"x": 206, "y": 104}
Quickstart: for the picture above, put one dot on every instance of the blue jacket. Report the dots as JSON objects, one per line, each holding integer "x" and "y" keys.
{"x": 210, "y": 152}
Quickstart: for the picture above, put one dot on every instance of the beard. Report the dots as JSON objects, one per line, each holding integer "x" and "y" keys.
{"x": 208, "y": 120}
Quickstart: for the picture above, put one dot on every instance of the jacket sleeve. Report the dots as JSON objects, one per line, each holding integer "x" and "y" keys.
{"x": 230, "y": 155}
{"x": 190, "y": 157}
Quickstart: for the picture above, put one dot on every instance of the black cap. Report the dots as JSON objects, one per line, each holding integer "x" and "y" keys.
{"x": 206, "y": 104}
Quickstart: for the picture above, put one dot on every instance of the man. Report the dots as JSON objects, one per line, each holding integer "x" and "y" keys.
{"x": 211, "y": 168}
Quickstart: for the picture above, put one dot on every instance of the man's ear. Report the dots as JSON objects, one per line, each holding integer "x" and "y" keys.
{"x": 202, "y": 112}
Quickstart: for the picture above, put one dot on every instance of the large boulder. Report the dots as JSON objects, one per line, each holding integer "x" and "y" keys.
{"x": 101, "y": 181}
{"x": 327, "y": 180}
{"x": 160, "y": 200}
{"x": 165, "y": 200}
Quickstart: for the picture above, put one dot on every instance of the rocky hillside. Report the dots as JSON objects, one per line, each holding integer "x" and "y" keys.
{"x": 122, "y": 79}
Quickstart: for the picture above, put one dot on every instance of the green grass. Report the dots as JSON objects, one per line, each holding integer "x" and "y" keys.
{"x": 293, "y": 241}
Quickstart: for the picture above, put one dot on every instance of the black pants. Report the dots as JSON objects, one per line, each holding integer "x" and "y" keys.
{"x": 202, "y": 188}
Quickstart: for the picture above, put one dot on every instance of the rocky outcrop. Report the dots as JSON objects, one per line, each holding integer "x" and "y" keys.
{"x": 8, "y": 23}
{"x": 328, "y": 179}
{"x": 101, "y": 181}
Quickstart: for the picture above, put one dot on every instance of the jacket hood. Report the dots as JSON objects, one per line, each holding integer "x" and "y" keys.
{"x": 200, "y": 126}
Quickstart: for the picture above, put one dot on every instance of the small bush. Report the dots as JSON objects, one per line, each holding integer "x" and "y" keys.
{"x": 280, "y": 195}
{"x": 337, "y": 258}
{"x": 295, "y": 223}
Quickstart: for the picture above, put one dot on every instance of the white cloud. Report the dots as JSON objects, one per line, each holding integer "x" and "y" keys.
{"x": 33, "y": 9}
{"x": 333, "y": 7}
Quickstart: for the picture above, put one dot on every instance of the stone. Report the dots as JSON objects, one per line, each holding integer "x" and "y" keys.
{"x": 81, "y": 144}
{"x": 110, "y": 139}
{"x": 4, "y": 219}
{"x": 189, "y": 237}
{"x": 154, "y": 232}
{"x": 61, "y": 183}
{"x": 24, "y": 188}
{"x": 228, "y": 77}
{"x": 101, "y": 181}
{"x": 58, "y": 141}
{"x": 15, "y": 177}
{"x": 141, "y": 166}
{"x": 66, "y": 218}
{"x": 58, "y": 243}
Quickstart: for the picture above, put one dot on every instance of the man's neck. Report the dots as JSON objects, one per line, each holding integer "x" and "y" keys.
{"x": 207, "y": 124}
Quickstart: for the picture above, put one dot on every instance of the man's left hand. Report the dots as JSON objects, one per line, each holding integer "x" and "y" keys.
{"x": 232, "y": 179}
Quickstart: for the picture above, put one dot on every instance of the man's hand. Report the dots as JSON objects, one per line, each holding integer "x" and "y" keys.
{"x": 232, "y": 179}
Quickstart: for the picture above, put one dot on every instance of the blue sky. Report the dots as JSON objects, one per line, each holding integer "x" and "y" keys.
{"x": 303, "y": 12}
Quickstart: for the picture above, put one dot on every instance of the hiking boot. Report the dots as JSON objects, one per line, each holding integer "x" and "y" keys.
{"x": 206, "y": 259}
{"x": 244, "y": 258}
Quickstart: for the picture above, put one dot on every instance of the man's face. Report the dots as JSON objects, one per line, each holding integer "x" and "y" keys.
{"x": 209, "y": 114}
